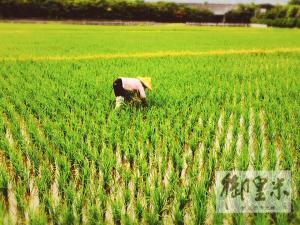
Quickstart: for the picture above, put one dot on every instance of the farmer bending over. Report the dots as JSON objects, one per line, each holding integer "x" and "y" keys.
{"x": 131, "y": 89}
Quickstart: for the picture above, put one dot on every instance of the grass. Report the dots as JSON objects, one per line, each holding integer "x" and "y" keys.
{"x": 63, "y": 144}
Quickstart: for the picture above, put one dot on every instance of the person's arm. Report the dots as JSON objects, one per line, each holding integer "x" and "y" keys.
{"x": 142, "y": 92}
{"x": 142, "y": 95}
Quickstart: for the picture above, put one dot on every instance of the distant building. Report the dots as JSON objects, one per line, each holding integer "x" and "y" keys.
{"x": 217, "y": 9}
{"x": 262, "y": 10}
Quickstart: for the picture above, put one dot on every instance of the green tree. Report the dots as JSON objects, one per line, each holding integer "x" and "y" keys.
{"x": 294, "y": 2}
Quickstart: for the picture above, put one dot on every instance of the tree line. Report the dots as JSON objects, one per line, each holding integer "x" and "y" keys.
{"x": 103, "y": 10}
{"x": 138, "y": 10}
{"x": 280, "y": 16}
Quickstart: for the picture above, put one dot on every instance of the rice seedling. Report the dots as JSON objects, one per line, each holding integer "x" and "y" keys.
{"x": 66, "y": 157}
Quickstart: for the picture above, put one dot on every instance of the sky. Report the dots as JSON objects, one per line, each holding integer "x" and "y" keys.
{"x": 227, "y": 1}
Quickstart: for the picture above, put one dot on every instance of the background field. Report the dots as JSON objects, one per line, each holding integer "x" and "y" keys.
{"x": 68, "y": 157}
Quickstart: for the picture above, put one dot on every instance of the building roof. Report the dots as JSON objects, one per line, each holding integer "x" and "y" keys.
{"x": 217, "y": 9}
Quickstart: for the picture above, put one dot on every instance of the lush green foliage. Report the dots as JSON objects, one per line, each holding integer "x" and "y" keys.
{"x": 104, "y": 10}
{"x": 277, "y": 16}
{"x": 280, "y": 16}
{"x": 294, "y": 2}
{"x": 135, "y": 10}
{"x": 67, "y": 157}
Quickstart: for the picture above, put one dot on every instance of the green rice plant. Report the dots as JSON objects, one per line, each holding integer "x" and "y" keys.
{"x": 157, "y": 162}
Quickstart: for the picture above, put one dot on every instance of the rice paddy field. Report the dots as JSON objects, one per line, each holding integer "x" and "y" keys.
{"x": 223, "y": 99}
